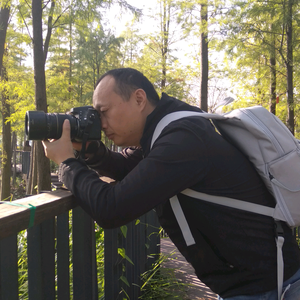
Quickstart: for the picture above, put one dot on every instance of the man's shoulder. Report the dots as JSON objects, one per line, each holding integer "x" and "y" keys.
{"x": 177, "y": 105}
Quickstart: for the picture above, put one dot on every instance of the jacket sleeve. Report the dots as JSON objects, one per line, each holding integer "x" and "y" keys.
{"x": 170, "y": 167}
{"x": 112, "y": 164}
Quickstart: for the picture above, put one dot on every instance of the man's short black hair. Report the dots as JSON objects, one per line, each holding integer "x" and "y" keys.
{"x": 128, "y": 80}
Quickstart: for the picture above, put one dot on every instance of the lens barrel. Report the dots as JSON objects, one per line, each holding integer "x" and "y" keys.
{"x": 40, "y": 125}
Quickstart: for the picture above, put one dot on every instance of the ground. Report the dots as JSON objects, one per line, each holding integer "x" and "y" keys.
{"x": 195, "y": 289}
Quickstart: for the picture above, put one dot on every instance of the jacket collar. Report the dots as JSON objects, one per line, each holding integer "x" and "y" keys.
{"x": 165, "y": 106}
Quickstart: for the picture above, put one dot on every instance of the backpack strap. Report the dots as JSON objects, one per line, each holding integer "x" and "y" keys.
{"x": 230, "y": 202}
{"x": 179, "y": 115}
{"x": 233, "y": 203}
{"x": 182, "y": 222}
{"x": 280, "y": 264}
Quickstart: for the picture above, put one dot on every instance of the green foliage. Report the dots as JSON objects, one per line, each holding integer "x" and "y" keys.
{"x": 23, "y": 265}
{"x": 99, "y": 237}
{"x": 253, "y": 33}
{"x": 124, "y": 230}
{"x": 161, "y": 283}
{"x": 20, "y": 85}
{"x": 80, "y": 50}
{"x": 121, "y": 252}
{"x": 152, "y": 54}
{"x": 18, "y": 190}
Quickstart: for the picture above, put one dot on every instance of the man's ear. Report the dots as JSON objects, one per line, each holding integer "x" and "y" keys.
{"x": 141, "y": 98}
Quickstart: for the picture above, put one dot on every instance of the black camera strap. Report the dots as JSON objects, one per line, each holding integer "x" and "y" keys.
{"x": 83, "y": 149}
{"x": 90, "y": 121}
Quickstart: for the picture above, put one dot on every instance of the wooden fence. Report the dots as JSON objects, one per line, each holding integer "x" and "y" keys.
{"x": 50, "y": 257}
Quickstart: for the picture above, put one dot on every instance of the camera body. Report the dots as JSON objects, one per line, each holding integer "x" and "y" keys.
{"x": 84, "y": 121}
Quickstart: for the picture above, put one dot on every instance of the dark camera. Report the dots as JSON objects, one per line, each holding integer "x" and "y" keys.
{"x": 84, "y": 121}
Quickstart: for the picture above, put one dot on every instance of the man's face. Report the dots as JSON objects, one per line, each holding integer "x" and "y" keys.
{"x": 122, "y": 121}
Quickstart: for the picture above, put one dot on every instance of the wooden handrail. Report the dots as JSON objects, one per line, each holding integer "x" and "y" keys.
{"x": 47, "y": 205}
{"x": 48, "y": 250}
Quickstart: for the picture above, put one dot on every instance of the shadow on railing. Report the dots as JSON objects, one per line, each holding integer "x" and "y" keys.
{"x": 61, "y": 259}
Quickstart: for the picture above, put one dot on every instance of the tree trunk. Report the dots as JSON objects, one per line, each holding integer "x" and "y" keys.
{"x": 6, "y": 131}
{"x": 203, "y": 57}
{"x": 32, "y": 178}
{"x": 70, "y": 51}
{"x": 272, "y": 106}
{"x": 49, "y": 32}
{"x": 14, "y": 156}
{"x": 289, "y": 66}
{"x": 165, "y": 27}
{"x": 6, "y": 143}
{"x": 43, "y": 163}
{"x": 4, "y": 16}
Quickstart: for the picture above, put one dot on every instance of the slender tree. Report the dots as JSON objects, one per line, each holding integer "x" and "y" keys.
{"x": 165, "y": 7}
{"x": 159, "y": 47}
{"x": 290, "y": 69}
{"x": 6, "y": 140}
{"x": 6, "y": 127}
{"x": 199, "y": 17}
{"x": 203, "y": 56}
{"x": 273, "y": 97}
{"x": 39, "y": 55}
{"x": 4, "y": 17}
{"x": 253, "y": 36}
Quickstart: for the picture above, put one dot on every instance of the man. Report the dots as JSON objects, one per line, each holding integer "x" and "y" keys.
{"x": 234, "y": 251}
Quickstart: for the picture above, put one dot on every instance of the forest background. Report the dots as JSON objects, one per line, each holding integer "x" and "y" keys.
{"x": 199, "y": 51}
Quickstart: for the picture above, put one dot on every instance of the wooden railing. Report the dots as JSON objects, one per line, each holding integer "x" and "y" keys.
{"x": 50, "y": 257}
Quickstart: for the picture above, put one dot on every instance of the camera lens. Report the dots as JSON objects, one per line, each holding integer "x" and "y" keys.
{"x": 40, "y": 125}
{"x": 35, "y": 125}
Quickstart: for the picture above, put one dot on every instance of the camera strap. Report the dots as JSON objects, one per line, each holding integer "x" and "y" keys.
{"x": 90, "y": 121}
{"x": 83, "y": 148}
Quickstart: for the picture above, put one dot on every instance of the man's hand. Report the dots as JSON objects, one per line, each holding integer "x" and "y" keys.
{"x": 77, "y": 145}
{"x": 61, "y": 149}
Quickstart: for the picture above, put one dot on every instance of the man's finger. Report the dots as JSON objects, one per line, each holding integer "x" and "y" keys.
{"x": 66, "y": 129}
{"x": 45, "y": 142}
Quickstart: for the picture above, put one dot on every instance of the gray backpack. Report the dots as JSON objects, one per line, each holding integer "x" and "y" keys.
{"x": 274, "y": 152}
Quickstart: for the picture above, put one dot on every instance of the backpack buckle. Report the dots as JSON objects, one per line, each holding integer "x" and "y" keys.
{"x": 278, "y": 229}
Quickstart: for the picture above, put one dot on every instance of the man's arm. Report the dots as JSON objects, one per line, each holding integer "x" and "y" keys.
{"x": 113, "y": 164}
{"x": 171, "y": 166}
{"x": 164, "y": 173}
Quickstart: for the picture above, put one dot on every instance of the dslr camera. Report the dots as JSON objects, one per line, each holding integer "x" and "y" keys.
{"x": 85, "y": 124}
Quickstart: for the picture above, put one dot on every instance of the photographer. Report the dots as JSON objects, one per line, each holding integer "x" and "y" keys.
{"x": 234, "y": 251}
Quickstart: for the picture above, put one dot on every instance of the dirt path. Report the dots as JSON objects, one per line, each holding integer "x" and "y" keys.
{"x": 196, "y": 290}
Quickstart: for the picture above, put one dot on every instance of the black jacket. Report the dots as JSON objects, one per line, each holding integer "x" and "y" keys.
{"x": 235, "y": 251}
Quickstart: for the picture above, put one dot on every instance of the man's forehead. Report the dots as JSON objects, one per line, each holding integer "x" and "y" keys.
{"x": 103, "y": 89}
{"x": 104, "y": 92}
